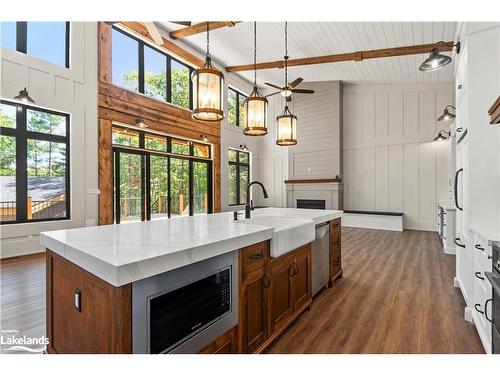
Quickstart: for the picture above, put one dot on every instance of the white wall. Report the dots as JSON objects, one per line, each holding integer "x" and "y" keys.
{"x": 390, "y": 161}
{"x": 232, "y": 137}
{"x": 73, "y": 91}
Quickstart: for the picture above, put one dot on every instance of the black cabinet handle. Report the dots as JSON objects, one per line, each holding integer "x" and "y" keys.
{"x": 78, "y": 300}
{"x": 489, "y": 256}
{"x": 256, "y": 256}
{"x": 479, "y": 247}
{"x": 458, "y": 244}
{"x": 456, "y": 188}
{"x": 476, "y": 306}
{"x": 267, "y": 281}
{"x": 486, "y": 311}
{"x": 478, "y": 275}
{"x": 459, "y": 129}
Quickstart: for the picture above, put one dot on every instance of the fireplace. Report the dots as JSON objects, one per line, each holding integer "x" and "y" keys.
{"x": 315, "y": 204}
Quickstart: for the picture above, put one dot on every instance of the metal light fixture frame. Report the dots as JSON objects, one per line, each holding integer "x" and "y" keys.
{"x": 436, "y": 56}
{"x": 447, "y": 116}
{"x": 443, "y": 135}
{"x": 205, "y": 113}
{"x": 24, "y": 96}
{"x": 286, "y": 118}
{"x": 256, "y": 102}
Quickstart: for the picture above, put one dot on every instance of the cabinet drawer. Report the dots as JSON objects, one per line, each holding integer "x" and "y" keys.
{"x": 253, "y": 257}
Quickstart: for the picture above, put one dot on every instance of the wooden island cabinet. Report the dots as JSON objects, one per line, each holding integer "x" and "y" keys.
{"x": 273, "y": 292}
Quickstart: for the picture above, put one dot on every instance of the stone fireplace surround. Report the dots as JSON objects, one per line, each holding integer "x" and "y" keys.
{"x": 329, "y": 190}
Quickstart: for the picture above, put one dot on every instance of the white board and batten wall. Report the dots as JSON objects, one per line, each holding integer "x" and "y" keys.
{"x": 389, "y": 160}
{"x": 72, "y": 91}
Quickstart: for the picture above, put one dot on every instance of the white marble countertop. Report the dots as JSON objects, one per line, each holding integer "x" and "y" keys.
{"x": 489, "y": 233}
{"x": 124, "y": 253}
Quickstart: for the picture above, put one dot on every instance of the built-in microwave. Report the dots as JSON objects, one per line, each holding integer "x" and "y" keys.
{"x": 183, "y": 310}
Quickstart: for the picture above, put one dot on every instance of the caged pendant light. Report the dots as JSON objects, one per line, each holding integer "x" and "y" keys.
{"x": 208, "y": 83}
{"x": 256, "y": 104}
{"x": 286, "y": 122}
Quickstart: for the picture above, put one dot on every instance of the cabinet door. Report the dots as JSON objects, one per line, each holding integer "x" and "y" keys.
{"x": 302, "y": 277}
{"x": 281, "y": 305}
{"x": 254, "y": 309}
{"x": 101, "y": 324}
{"x": 225, "y": 344}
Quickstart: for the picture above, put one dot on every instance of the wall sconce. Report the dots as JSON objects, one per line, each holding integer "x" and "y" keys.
{"x": 24, "y": 97}
{"x": 204, "y": 137}
{"x": 244, "y": 147}
{"x": 436, "y": 60}
{"x": 140, "y": 123}
{"x": 442, "y": 136}
{"x": 446, "y": 116}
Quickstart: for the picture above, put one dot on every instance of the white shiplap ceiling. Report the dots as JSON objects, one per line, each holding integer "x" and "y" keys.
{"x": 234, "y": 46}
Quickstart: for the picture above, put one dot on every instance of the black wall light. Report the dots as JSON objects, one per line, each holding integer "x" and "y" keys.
{"x": 442, "y": 136}
{"x": 24, "y": 97}
{"x": 436, "y": 60}
{"x": 446, "y": 116}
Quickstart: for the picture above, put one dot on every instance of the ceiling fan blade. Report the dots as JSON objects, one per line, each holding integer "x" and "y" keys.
{"x": 288, "y": 98}
{"x": 303, "y": 91}
{"x": 296, "y": 82}
{"x": 274, "y": 93}
{"x": 276, "y": 87}
{"x": 154, "y": 32}
{"x": 183, "y": 23}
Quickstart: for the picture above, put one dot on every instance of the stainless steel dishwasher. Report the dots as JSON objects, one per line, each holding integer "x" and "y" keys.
{"x": 320, "y": 258}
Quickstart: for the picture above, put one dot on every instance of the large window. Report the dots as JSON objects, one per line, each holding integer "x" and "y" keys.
{"x": 159, "y": 176}
{"x": 236, "y": 108}
{"x": 239, "y": 176}
{"x": 141, "y": 67}
{"x": 34, "y": 164}
{"x": 48, "y": 41}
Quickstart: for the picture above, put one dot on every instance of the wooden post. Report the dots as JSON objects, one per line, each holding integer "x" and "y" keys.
{"x": 29, "y": 208}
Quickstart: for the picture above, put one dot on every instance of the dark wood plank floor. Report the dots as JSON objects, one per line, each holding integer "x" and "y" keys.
{"x": 397, "y": 296}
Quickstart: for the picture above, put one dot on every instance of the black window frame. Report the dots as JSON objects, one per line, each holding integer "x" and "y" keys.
{"x": 22, "y": 135}
{"x": 168, "y": 70}
{"x": 238, "y": 164}
{"x": 22, "y": 41}
{"x": 146, "y": 172}
{"x": 238, "y": 94}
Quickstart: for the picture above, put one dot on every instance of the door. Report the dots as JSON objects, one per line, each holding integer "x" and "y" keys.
{"x": 129, "y": 191}
{"x": 301, "y": 277}
{"x": 281, "y": 304}
{"x": 254, "y": 310}
{"x": 180, "y": 189}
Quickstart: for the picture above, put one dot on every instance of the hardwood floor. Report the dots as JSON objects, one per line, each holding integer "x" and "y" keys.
{"x": 397, "y": 296}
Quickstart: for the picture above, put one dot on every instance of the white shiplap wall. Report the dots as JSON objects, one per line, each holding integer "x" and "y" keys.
{"x": 73, "y": 91}
{"x": 390, "y": 161}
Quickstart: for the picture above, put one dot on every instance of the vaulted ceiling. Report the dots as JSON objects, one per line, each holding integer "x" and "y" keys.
{"x": 234, "y": 46}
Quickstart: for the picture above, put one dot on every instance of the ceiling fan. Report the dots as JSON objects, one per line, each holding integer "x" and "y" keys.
{"x": 287, "y": 90}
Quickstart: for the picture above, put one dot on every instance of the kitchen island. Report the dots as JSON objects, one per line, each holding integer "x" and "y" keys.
{"x": 97, "y": 279}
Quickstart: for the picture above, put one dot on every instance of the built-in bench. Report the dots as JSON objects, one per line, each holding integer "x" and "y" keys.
{"x": 373, "y": 220}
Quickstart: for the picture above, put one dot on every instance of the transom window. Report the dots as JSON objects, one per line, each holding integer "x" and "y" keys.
{"x": 239, "y": 176}
{"x": 48, "y": 41}
{"x": 236, "y": 108}
{"x": 141, "y": 67}
{"x": 157, "y": 176}
{"x": 34, "y": 164}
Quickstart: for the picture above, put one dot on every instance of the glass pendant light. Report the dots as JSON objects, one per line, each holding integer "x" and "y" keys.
{"x": 24, "y": 96}
{"x": 286, "y": 122}
{"x": 256, "y": 104}
{"x": 208, "y": 83}
{"x": 446, "y": 116}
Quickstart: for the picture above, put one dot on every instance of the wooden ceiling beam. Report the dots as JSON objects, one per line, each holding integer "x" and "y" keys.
{"x": 199, "y": 28}
{"x": 350, "y": 56}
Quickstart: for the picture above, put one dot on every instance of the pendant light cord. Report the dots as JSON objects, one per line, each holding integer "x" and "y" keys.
{"x": 286, "y": 53}
{"x": 208, "y": 39}
{"x": 255, "y": 53}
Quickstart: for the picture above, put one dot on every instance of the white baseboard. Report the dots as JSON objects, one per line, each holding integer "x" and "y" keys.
{"x": 468, "y": 315}
{"x": 485, "y": 340}
{"x": 383, "y": 222}
{"x": 450, "y": 250}
{"x": 14, "y": 247}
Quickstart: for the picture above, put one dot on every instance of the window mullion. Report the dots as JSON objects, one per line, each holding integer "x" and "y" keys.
{"x": 141, "y": 68}
{"x": 22, "y": 37}
{"x": 21, "y": 166}
{"x": 169, "y": 79}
